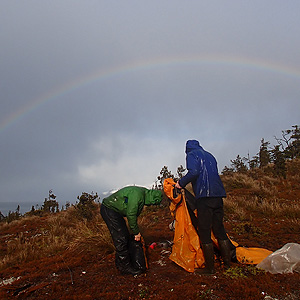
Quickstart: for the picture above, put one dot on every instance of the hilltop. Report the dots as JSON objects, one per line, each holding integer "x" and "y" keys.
{"x": 69, "y": 254}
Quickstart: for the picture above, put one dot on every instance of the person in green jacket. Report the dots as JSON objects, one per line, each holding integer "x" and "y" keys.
{"x": 127, "y": 202}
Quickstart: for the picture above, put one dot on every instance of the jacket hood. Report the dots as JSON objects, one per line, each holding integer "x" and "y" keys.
{"x": 153, "y": 197}
{"x": 192, "y": 145}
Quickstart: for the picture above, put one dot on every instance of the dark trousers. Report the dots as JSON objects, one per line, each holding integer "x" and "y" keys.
{"x": 210, "y": 217}
{"x": 120, "y": 235}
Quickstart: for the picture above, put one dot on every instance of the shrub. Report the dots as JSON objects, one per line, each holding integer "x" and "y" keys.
{"x": 86, "y": 207}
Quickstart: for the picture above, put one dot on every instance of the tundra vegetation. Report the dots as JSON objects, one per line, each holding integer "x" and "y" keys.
{"x": 262, "y": 189}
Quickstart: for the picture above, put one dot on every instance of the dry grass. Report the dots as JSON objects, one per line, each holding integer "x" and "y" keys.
{"x": 63, "y": 231}
{"x": 242, "y": 207}
{"x": 293, "y": 225}
{"x": 5, "y": 226}
{"x": 239, "y": 181}
{"x": 94, "y": 239}
{"x": 278, "y": 209}
{"x": 60, "y": 232}
{"x": 261, "y": 187}
{"x": 258, "y": 192}
{"x": 233, "y": 207}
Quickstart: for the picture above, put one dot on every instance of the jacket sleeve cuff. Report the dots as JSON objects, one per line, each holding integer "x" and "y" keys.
{"x": 182, "y": 182}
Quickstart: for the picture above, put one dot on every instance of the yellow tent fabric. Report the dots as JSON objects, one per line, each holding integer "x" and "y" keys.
{"x": 186, "y": 250}
{"x": 252, "y": 256}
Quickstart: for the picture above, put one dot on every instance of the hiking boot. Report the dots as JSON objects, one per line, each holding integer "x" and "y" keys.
{"x": 131, "y": 271}
{"x": 205, "y": 271}
{"x": 124, "y": 266}
{"x": 225, "y": 250}
{"x": 208, "y": 252}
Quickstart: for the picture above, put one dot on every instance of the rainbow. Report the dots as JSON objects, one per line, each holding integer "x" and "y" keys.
{"x": 144, "y": 65}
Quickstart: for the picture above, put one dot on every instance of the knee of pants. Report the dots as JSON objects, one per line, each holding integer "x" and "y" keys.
{"x": 205, "y": 237}
{"x": 121, "y": 247}
{"x": 220, "y": 233}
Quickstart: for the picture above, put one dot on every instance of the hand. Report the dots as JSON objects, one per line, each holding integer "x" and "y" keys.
{"x": 177, "y": 185}
{"x": 137, "y": 237}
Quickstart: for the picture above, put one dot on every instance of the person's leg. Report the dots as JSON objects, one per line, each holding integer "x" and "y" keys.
{"x": 204, "y": 214}
{"x": 217, "y": 219}
{"x": 120, "y": 236}
{"x": 220, "y": 232}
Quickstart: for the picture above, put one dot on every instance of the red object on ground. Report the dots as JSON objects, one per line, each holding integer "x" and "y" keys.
{"x": 153, "y": 245}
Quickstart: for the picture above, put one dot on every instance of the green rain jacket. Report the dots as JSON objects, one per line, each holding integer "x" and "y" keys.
{"x": 129, "y": 202}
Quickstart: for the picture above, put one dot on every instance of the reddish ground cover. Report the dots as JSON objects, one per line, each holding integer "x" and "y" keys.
{"x": 87, "y": 275}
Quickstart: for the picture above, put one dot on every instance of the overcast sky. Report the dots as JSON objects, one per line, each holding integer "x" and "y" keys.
{"x": 96, "y": 95}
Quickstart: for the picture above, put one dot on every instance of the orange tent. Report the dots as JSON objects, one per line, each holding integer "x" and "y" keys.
{"x": 186, "y": 250}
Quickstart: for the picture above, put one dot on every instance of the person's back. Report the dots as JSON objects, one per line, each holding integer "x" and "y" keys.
{"x": 215, "y": 188}
{"x": 202, "y": 172}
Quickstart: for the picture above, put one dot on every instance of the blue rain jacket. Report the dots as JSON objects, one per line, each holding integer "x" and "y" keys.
{"x": 202, "y": 172}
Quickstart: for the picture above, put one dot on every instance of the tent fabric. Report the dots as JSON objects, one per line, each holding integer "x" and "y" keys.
{"x": 251, "y": 256}
{"x": 186, "y": 250}
{"x": 284, "y": 260}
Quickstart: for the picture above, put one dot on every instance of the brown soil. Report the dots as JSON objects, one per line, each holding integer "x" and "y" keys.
{"x": 88, "y": 275}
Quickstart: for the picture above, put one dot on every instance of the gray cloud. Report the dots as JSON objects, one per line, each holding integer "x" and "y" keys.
{"x": 98, "y": 95}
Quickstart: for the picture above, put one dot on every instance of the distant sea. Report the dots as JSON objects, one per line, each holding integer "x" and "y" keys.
{"x": 5, "y": 207}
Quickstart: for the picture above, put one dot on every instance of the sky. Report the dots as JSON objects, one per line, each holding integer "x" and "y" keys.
{"x": 97, "y": 95}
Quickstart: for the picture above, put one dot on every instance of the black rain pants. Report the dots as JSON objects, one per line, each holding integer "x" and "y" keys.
{"x": 210, "y": 218}
{"x": 120, "y": 236}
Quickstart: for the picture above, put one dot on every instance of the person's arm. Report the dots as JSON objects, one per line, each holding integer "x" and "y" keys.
{"x": 193, "y": 171}
{"x": 135, "y": 200}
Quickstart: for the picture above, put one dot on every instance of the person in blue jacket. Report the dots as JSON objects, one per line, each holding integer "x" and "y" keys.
{"x": 209, "y": 193}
